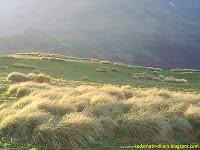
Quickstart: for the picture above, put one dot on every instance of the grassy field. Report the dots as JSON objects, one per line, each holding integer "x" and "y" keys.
{"x": 56, "y": 102}
{"x": 97, "y": 71}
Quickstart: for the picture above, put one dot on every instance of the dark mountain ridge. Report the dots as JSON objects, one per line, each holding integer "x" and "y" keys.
{"x": 159, "y": 33}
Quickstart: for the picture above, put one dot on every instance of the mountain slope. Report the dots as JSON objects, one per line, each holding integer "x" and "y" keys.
{"x": 142, "y": 32}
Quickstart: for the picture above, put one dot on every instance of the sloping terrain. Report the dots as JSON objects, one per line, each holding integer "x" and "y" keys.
{"x": 93, "y": 104}
{"x": 159, "y": 33}
{"x": 94, "y": 70}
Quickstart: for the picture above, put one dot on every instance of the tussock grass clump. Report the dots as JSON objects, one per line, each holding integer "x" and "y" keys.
{"x": 41, "y": 78}
{"x": 109, "y": 124}
{"x": 56, "y": 109}
{"x": 85, "y": 79}
{"x": 115, "y": 69}
{"x": 3, "y": 88}
{"x": 94, "y": 60}
{"x": 21, "y": 126}
{"x": 23, "y": 102}
{"x": 56, "y": 59}
{"x": 9, "y": 57}
{"x": 26, "y": 88}
{"x": 20, "y": 77}
{"x": 156, "y": 72}
{"x": 36, "y": 72}
{"x": 107, "y": 69}
{"x": 102, "y": 98}
{"x": 73, "y": 132}
{"x": 116, "y": 64}
{"x": 157, "y": 77}
{"x": 24, "y": 66}
{"x": 161, "y": 77}
{"x": 113, "y": 90}
{"x": 21, "y": 92}
{"x": 185, "y": 70}
{"x": 193, "y": 114}
{"x": 119, "y": 92}
{"x": 44, "y": 58}
{"x": 154, "y": 69}
{"x": 144, "y": 128}
{"x": 102, "y": 70}
{"x": 146, "y": 76}
{"x": 52, "y": 93}
{"x": 174, "y": 80}
{"x": 31, "y": 54}
{"x": 3, "y": 67}
{"x": 181, "y": 127}
{"x": 17, "y": 77}
{"x": 187, "y": 73}
{"x": 76, "y": 117}
{"x": 106, "y": 62}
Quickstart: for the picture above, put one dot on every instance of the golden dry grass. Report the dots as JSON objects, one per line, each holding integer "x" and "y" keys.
{"x": 158, "y": 77}
{"x": 174, "y": 80}
{"x": 35, "y": 76}
{"x": 76, "y": 117}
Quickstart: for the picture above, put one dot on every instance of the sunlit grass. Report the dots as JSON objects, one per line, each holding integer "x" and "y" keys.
{"x": 80, "y": 116}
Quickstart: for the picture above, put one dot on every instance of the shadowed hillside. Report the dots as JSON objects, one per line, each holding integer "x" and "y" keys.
{"x": 160, "y": 33}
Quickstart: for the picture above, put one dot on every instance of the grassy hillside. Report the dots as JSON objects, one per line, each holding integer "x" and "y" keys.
{"x": 57, "y": 102}
{"x": 98, "y": 71}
